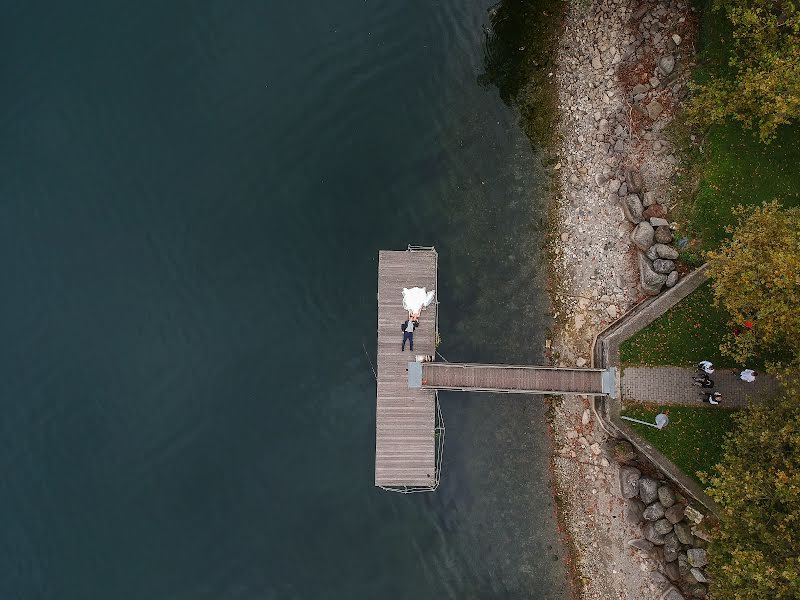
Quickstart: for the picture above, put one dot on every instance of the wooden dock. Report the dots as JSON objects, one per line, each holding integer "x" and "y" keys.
{"x": 515, "y": 379}
{"x": 406, "y": 446}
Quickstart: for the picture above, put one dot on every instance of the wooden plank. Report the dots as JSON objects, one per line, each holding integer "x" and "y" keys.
{"x": 405, "y": 444}
{"x": 512, "y": 378}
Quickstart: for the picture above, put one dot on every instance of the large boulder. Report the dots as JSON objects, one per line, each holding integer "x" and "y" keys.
{"x": 633, "y": 510}
{"x": 648, "y": 490}
{"x": 654, "y": 512}
{"x": 668, "y": 252}
{"x": 629, "y": 482}
{"x": 671, "y": 547}
{"x": 650, "y": 281}
{"x": 663, "y": 234}
{"x": 642, "y": 236}
{"x": 666, "y": 496}
{"x": 696, "y": 557}
{"x": 674, "y": 513}
{"x": 684, "y": 533}
{"x": 663, "y": 266}
{"x": 632, "y": 208}
{"x": 658, "y": 222}
{"x": 652, "y": 535}
{"x": 663, "y": 526}
{"x": 634, "y": 180}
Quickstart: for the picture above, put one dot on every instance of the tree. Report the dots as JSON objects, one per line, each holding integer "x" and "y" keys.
{"x": 756, "y": 278}
{"x": 762, "y": 91}
{"x": 755, "y": 554}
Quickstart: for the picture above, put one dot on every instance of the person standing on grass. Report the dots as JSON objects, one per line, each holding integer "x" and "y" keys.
{"x": 711, "y": 398}
{"x": 705, "y": 366}
{"x": 408, "y": 327}
{"x": 748, "y": 375}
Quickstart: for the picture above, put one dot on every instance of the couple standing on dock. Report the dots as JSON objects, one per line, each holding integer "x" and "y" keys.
{"x": 414, "y": 301}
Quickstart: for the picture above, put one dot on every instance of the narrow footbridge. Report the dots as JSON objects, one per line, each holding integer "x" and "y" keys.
{"x": 409, "y": 430}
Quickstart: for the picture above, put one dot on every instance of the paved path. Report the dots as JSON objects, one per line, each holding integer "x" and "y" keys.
{"x": 673, "y": 385}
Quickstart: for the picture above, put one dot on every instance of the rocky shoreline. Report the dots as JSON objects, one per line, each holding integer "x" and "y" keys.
{"x": 622, "y": 69}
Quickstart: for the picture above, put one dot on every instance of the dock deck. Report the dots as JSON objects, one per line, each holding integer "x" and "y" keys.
{"x": 405, "y": 437}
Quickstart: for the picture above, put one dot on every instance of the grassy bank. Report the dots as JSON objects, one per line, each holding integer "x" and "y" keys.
{"x": 692, "y": 439}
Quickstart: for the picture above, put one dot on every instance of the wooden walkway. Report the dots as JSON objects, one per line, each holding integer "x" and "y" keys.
{"x": 405, "y": 440}
{"x": 515, "y": 379}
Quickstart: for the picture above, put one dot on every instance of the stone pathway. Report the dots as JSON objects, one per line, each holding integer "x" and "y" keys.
{"x": 673, "y": 385}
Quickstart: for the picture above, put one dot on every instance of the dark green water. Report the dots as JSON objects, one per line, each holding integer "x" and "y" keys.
{"x": 192, "y": 198}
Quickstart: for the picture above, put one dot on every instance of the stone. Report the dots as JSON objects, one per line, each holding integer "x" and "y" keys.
{"x": 663, "y": 234}
{"x": 597, "y": 62}
{"x": 698, "y": 574}
{"x": 648, "y": 199}
{"x": 640, "y": 89}
{"x": 654, "y": 512}
{"x": 580, "y": 362}
{"x": 663, "y": 266}
{"x": 684, "y": 533}
{"x": 683, "y": 564}
{"x": 650, "y": 281}
{"x": 665, "y": 494}
{"x": 672, "y": 572}
{"x": 671, "y": 545}
{"x": 663, "y": 526}
{"x": 666, "y": 64}
{"x": 632, "y": 209}
{"x": 676, "y": 39}
{"x": 657, "y": 578}
{"x": 641, "y": 544}
{"x": 668, "y": 252}
{"x": 694, "y": 515}
{"x": 698, "y": 590}
{"x": 612, "y": 311}
{"x": 623, "y": 190}
{"x": 672, "y": 593}
{"x": 674, "y": 514}
{"x": 654, "y": 82}
{"x": 670, "y": 555}
{"x": 629, "y": 482}
{"x": 585, "y": 417}
{"x": 572, "y": 434}
{"x": 654, "y": 210}
{"x": 634, "y": 180}
{"x": 595, "y": 449}
{"x": 642, "y": 236}
{"x": 600, "y": 179}
{"x": 696, "y": 557}
{"x": 651, "y": 253}
{"x": 658, "y": 222}
{"x": 619, "y": 147}
{"x": 701, "y": 533}
{"x": 654, "y": 109}
{"x": 633, "y": 511}
{"x": 652, "y": 535}
{"x": 672, "y": 279}
{"x": 613, "y": 185}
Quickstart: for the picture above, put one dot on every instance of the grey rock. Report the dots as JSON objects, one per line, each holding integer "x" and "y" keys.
{"x": 613, "y": 185}
{"x": 668, "y": 252}
{"x": 663, "y": 266}
{"x": 672, "y": 572}
{"x": 696, "y": 557}
{"x": 663, "y": 526}
{"x": 597, "y": 63}
{"x": 623, "y": 190}
{"x": 654, "y": 512}
{"x": 600, "y": 179}
{"x": 684, "y": 533}
{"x": 698, "y": 590}
{"x": 687, "y": 576}
{"x": 671, "y": 547}
{"x": 619, "y": 147}
{"x": 652, "y": 535}
{"x": 633, "y": 510}
{"x": 699, "y": 575}
{"x": 674, "y": 513}
{"x": 642, "y": 236}
{"x": 632, "y": 209}
{"x": 648, "y": 490}
{"x": 634, "y": 180}
{"x": 650, "y": 281}
{"x": 629, "y": 482}
{"x": 683, "y": 564}
{"x": 663, "y": 234}
{"x": 672, "y": 279}
{"x": 640, "y": 89}
{"x": 657, "y": 578}
{"x": 694, "y": 515}
{"x": 666, "y": 64}
{"x": 641, "y": 544}
{"x": 648, "y": 199}
{"x": 640, "y": 12}
{"x": 654, "y": 109}
{"x": 672, "y": 593}
{"x": 699, "y": 532}
{"x": 651, "y": 253}
{"x": 658, "y": 222}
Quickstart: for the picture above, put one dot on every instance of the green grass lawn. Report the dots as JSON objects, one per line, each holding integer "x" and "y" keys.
{"x": 692, "y": 439}
{"x": 689, "y": 332}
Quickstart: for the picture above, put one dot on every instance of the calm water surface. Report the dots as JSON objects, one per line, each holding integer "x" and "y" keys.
{"x": 192, "y": 198}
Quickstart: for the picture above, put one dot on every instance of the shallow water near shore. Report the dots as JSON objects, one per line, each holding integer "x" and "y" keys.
{"x": 192, "y": 202}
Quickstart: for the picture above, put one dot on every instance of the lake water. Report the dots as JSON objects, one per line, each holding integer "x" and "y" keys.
{"x": 192, "y": 200}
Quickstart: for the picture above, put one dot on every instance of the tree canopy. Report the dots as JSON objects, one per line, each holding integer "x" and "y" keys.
{"x": 762, "y": 87}
{"x": 756, "y": 278}
{"x": 755, "y": 554}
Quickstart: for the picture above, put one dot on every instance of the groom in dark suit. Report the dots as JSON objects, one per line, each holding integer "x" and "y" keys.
{"x": 408, "y": 327}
